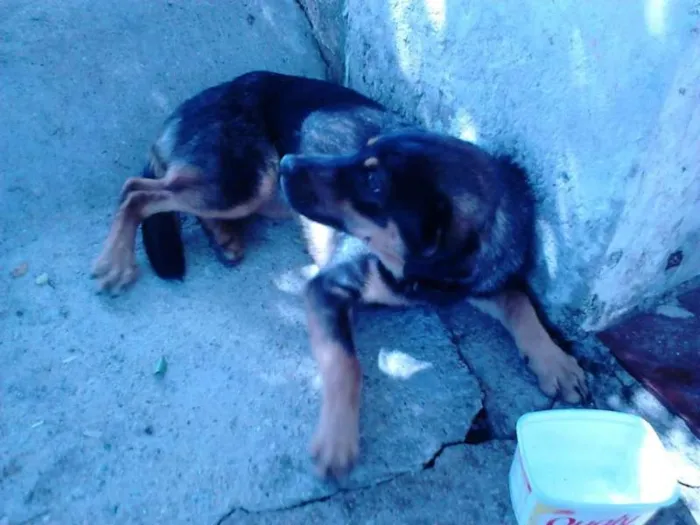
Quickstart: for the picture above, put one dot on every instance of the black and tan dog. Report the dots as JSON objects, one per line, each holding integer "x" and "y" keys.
{"x": 393, "y": 215}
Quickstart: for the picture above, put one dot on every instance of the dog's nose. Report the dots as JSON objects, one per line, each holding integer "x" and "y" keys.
{"x": 287, "y": 163}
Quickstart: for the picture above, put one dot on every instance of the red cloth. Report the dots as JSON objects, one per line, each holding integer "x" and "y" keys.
{"x": 663, "y": 353}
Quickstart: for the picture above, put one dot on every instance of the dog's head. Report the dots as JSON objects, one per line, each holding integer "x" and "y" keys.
{"x": 415, "y": 198}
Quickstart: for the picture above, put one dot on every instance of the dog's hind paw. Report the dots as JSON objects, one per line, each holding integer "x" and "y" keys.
{"x": 114, "y": 270}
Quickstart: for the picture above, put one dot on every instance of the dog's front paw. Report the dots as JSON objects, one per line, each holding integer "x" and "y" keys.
{"x": 336, "y": 444}
{"x": 115, "y": 268}
{"x": 559, "y": 373}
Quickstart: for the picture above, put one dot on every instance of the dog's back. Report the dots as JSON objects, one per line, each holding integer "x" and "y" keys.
{"x": 217, "y": 158}
{"x": 304, "y": 115}
{"x": 290, "y": 112}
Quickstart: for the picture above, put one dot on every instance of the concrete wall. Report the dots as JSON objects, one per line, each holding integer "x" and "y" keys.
{"x": 600, "y": 100}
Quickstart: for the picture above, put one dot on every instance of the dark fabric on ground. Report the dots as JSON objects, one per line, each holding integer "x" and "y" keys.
{"x": 663, "y": 353}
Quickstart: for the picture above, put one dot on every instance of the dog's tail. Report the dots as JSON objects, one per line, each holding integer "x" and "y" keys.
{"x": 162, "y": 239}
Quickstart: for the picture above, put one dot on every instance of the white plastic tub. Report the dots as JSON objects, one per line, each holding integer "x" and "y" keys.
{"x": 589, "y": 467}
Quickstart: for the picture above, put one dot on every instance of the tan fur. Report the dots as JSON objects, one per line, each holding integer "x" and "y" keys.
{"x": 386, "y": 243}
{"x": 165, "y": 145}
{"x": 376, "y": 291}
{"x": 116, "y": 265}
{"x": 555, "y": 370}
{"x": 336, "y": 441}
{"x": 228, "y": 236}
{"x": 134, "y": 184}
{"x": 178, "y": 191}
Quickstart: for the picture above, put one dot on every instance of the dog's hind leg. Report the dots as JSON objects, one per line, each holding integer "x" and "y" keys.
{"x": 133, "y": 184}
{"x": 116, "y": 266}
{"x": 183, "y": 189}
{"x": 150, "y": 181}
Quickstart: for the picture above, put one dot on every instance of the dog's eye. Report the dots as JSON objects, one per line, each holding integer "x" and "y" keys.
{"x": 433, "y": 244}
{"x": 371, "y": 175}
{"x": 373, "y": 182}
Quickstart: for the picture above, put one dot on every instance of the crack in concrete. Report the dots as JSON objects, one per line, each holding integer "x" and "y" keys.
{"x": 431, "y": 462}
{"x": 428, "y": 465}
{"x": 35, "y": 518}
{"x": 480, "y": 418}
{"x": 455, "y": 339}
{"x": 319, "y": 46}
{"x": 312, "y": 501}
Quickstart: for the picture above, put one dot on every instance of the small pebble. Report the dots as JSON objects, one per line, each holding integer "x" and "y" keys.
{"x": 42, "y": 279}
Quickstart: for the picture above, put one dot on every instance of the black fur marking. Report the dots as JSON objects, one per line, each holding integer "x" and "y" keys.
{"x": 234, "y": 132}
{"x": 163, "y": 242}
{"x": 332, "y": 294}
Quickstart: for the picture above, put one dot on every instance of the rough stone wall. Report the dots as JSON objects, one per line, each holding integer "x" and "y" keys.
{"x": 599, "y": 100}
{"x": 327, "y": 17}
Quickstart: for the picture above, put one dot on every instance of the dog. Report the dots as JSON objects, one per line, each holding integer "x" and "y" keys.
{"x": 393, "y": 214}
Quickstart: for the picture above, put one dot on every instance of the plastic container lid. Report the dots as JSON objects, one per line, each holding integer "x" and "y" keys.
{"x": 594, "y": 458}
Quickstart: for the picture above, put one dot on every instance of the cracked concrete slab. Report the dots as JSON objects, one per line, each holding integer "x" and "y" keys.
{"x": 468, "y": 484}
{"x": 418, "y": 395}
{"x": 510, "y": 389}
{"x": 88, "y": 433}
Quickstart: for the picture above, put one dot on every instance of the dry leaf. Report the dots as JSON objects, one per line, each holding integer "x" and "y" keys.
{"x": 20, "y": 270}
{"x": 161, "y": 367}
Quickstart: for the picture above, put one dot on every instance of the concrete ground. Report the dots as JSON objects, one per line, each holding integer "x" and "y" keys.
{"x": 88, "y": 432}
